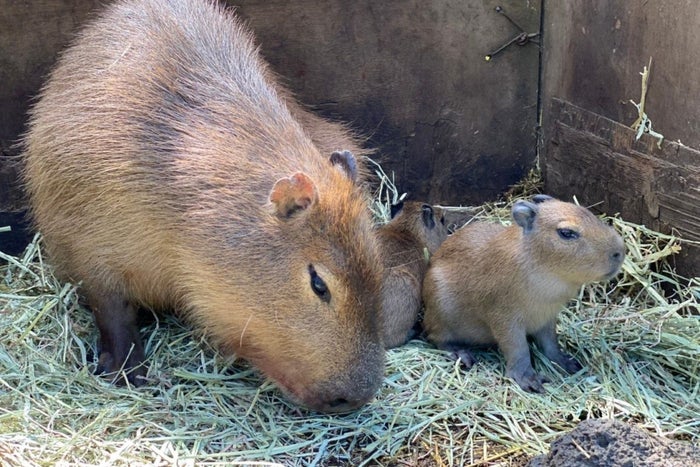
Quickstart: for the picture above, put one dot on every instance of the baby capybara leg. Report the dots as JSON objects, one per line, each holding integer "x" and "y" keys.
{"x": 546, "y": 339}
{"x": 513, "y": 343}
{"x": 120, "y": 344}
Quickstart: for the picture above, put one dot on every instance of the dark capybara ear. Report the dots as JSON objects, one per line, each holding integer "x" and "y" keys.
{"x": 396, "y": 208}
{"x": 428, "y": 216}
{"x": 537, "y": 199}
{"x": 524, "y": 214}
{"x": 346, "y": 161}
{"x": 291, "y": 194}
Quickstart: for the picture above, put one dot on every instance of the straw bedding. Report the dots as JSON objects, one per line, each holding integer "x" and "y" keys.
{"x": 638, "y": 338}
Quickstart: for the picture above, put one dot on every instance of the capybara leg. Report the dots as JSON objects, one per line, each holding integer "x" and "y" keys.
{"x": 459, "y": 351}
{"x": 121, "y": 350}
{"x": 546, "y": 340}
{"x": 514, "y": 346}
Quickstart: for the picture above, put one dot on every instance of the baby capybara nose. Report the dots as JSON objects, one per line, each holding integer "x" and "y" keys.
{"x": 618, "y": 256}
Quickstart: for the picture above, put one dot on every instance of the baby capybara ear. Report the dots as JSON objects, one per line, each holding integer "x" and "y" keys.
{"x": 428, "y": 216}
{"x": 395, "y": 209}
{"x": 291, "y": 194}
{"x": 524, "y": 213}
{"x": 537, "y": 199}
{"x": 346, "y": 161}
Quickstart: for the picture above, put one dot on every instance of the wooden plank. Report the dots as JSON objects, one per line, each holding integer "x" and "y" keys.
{"x": 11, "y": 199}
{"x": 598, "y": 161}
{"x": 594, "y": 51}
{"x": 453, "y": 128}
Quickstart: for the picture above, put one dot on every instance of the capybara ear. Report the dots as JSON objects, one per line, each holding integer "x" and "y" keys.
{"x": 346, "y": 161}
{"x": 537, "y": 199}
{"x": 291, "y": 194}
{"x": 428, "y": 216}
{"x": 524, "y": 214}
{"x": 394, "y": 209}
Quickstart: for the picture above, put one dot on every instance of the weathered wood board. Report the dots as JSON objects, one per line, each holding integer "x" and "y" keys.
{"x": 452, "y": 127}
{"x": 599, "y": 161}
{"x": 595, "y": 50}
{"x": 593, "y": 54}
{"x": 411, "y": 75}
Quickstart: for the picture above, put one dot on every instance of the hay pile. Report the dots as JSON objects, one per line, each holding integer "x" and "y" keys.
{"x": 637, "y": 337}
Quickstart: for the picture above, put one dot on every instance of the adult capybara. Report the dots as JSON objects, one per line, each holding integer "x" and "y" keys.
{"x": 407, "y": 241}
{"x": 166, "y": 170}
{"x": 493, "y": 284}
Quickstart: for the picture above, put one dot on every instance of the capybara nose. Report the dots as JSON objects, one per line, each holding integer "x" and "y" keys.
{"x": 346, "y": 404}
{"x": 617, "y": 257}
{"x": 350, "y": 391}
{"x": 341, "y": 404}
{"x": 338, "y": 398}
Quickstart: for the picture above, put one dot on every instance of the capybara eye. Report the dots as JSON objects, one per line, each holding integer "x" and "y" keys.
{"x": 568, "y": 234}
{"x": 318, "y": 285}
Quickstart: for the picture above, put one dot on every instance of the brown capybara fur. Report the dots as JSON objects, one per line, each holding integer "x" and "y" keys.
{"x": 407, "y": 241}
{"x": 165, "y": 169}
{"x": 491, "y": 284}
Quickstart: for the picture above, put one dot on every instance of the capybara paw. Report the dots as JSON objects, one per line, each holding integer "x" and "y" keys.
{"x": 466, "y": 359}
{"x": 104, "y": 363}
{"x": 529, "y": 380}
{"x": 134, "y": 369}
{"x": 569, "y": 363}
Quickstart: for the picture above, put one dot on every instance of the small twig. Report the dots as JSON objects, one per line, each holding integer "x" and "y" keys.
{"x": 643, "y": 123}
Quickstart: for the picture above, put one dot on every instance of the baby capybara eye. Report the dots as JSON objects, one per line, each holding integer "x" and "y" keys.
{"x": 568, "y": 234}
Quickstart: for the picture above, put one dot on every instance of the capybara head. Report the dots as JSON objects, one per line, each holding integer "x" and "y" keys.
{"x": 425, "y": 223}
{"x": 567, "y": 240}
{"x": 310, "y": 317}
{"x": 166, "y": 169}
{"x": 336, "y": 281}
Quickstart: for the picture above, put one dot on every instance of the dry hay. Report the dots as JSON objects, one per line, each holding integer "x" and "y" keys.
{"x": 638, "y": 338}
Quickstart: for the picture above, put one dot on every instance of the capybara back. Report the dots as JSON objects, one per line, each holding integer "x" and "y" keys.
{"x": 412, "y": 236}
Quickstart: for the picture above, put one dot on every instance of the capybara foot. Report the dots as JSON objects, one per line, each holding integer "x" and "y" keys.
{"x": 133, "y": 369}
{"x": 529, "y": 380}
{"x": 121, "y": 350}
{"x": 568, "y": 363}
{"x": 459, "y": 352}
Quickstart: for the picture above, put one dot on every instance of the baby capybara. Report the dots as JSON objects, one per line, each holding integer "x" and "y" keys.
{"x": 491, "y": 284}
{"x": 165, "y": 169}
{"x": 407, "y": 242}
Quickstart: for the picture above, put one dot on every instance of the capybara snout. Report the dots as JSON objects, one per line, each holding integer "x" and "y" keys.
{"x": 166, "y": 168}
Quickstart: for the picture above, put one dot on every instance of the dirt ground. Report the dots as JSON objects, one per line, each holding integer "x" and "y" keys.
{"x": 611, "y": 443}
